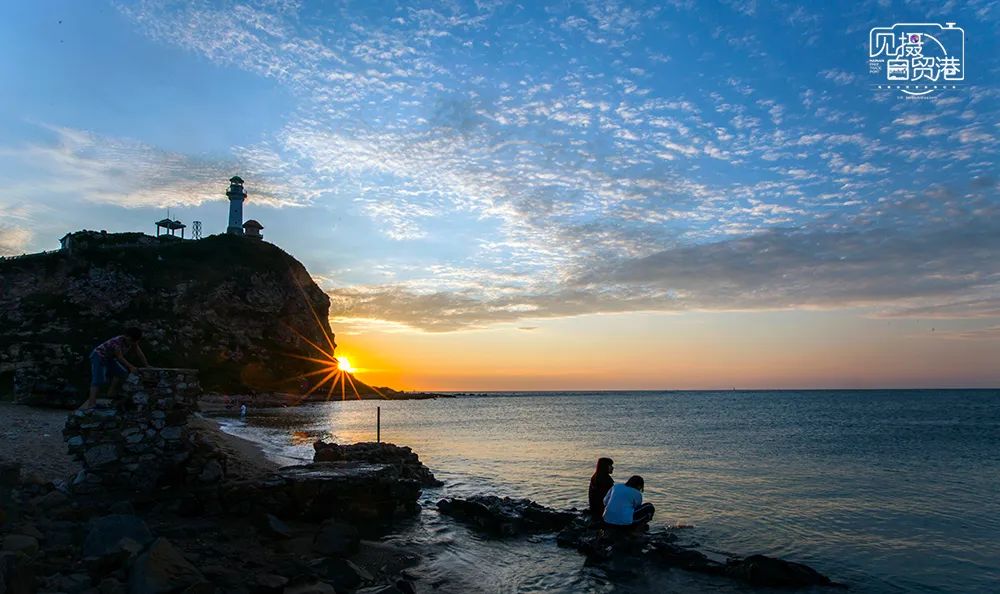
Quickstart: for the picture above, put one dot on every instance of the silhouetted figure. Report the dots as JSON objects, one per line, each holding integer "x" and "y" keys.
{"x": 623, "y": 504}
{"x": 600, "y": 484}
{"x": 109, "y": 365}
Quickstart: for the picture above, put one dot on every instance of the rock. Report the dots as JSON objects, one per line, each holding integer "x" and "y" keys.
{"x": 407, "y": 462}
{"x": 162, "y": 569}
{"x": 343, "y": 574}
{"x": 307, "y": 584}
{"x": 506, "y": 516}
{"x": 405, "y": 587}
{"x": 762, "y": 571}
{"x": 106, "y": 533}
{"x": 122, "y": 507}
{"x": 373, "y": 496}
{"x": 211, "y": 473}
{"x": 101, "y": 455}
{"x": 50, "y": 500}
{"x": 17, "y": 576}
{"x": 10, "y": 474}
{"x": 21, "y": 543}
{"x": 273, "y": 527}
{"x": 269, "y": 583}
{"x": 73, "y": 583}
{"x": 110, "y": 585}
{"x": 336, "y": 539}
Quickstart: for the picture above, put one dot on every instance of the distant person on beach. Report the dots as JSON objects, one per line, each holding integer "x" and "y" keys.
{"x": 600, "y": 483}
{"x": 108, "y": 364}
{"x": 623, "y": 504}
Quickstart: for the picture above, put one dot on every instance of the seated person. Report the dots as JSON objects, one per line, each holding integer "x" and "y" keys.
{"x": 623, "y": 504}
{"x": 600, "y": 484}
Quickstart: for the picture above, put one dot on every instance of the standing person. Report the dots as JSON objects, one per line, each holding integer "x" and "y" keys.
{"x": 109, "y": 365}
{"x": 600, "y": 483}
{"x": 623, "y": 504}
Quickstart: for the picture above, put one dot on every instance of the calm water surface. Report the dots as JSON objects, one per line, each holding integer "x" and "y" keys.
{"x": 888, "y": 491}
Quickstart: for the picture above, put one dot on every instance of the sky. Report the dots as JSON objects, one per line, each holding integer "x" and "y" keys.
{"x": 543, "y": 195}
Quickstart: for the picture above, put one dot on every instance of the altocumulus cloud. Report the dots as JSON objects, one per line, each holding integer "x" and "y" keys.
{"x": 606, "y": 191}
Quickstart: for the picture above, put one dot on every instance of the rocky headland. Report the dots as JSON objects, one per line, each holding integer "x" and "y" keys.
{"x": 244, "y": 313}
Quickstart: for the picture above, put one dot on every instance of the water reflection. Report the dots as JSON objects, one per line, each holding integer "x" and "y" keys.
{"x": 890, "y": 491}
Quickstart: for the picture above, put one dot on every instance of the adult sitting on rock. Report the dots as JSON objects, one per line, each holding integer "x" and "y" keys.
{"x": 623, "y": 506}
{"x": 600, "y": 484}
{"x": 109, "y": 365}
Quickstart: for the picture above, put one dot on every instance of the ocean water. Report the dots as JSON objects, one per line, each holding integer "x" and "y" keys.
{"x": 887, "y": 491}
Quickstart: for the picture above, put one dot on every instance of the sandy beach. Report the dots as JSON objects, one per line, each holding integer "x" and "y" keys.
{"x": 33, "y": 437}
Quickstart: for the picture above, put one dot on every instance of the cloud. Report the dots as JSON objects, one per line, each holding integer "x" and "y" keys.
{"x": 14, "y": 240}
{"x": 128, "y": 173}
{"x": 593, "y": 186}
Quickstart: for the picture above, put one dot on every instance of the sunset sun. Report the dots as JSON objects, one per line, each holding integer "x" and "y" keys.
{"x": 345, "y": 364}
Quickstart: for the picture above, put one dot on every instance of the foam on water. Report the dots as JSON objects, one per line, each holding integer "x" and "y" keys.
{"x": 891, "y": 491}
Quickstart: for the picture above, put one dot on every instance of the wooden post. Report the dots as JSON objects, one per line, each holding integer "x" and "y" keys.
{"x": 378, "y": 424}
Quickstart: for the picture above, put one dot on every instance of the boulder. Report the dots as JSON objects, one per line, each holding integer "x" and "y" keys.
{"x": 273, "y": 527}
{"x": 17, "y": 576}
{"x": 307, "y": 584}
{"x": 269, "y": 583}
{"x": 162, "y": 569}
{"x": 372, "y": 496}
{"x": 343, "y": 574}
{"x": 762, "y": 571}
{"x": 506, "y": 516}
{"x": 21, "y": 544}
{"x": 105, "y": 534}
{"x": 336, "y": 539}
{"x": 407, "y": 462}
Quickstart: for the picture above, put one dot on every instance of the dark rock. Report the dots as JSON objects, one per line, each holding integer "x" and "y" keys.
{"x": 506, "y": 516}
{"x": 162, "y": 569}
{"x": 759, "y": 570}
{"x": 17, "y": 576}
{"x": 373, "y": 496}
{"x": 341, "y": 573}
{"x": 408, "y": 463}
{"x": 307, "y": 584}
{"x": 20, "y": 543}
{"x": 50, "y": 500}
{"x": 269, "y": 583}
{"x": 405, "y": 587}
{"x": 105, "y": 534}
{"x": 110, "y": 585}
{"x": 336, "y": 539}
{"x": 273, "y": 527}
{"x": 10, "y": 474}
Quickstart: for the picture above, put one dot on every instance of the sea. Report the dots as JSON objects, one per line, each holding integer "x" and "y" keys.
{"x": 883, "y": 490}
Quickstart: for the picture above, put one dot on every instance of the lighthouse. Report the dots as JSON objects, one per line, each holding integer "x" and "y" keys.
{"x": 236, "y": 195}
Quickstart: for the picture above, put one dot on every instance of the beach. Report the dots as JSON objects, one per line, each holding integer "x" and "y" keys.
{"x": 33, "y": 438}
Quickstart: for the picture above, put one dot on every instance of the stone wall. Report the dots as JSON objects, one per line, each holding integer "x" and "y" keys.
{"x": 142, "y": 440}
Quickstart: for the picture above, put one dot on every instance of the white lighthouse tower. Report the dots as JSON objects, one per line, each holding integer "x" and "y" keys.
{"x": 236, "y": 196}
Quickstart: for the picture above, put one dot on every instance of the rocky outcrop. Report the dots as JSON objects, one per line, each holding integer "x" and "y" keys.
{"x": 512, "y": 517}
{"x": 142, "y": 440}
{"x": 506, "y": 516}
{"x": 242, "y": 312}
{"x": 403, "y": 458}
{"x": 371, "y": 496}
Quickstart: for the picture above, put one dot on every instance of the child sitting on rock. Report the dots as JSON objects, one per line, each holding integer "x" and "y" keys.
{"x": 623, "y": 504}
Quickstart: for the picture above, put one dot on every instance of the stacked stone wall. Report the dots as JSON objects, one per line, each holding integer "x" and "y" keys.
{"x": 142, "y": 439}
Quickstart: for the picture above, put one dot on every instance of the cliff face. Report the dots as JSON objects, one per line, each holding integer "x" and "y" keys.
{"x": 236, "y": 309}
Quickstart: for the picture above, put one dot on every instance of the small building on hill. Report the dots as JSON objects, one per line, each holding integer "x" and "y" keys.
{"x": 252, "y": 229}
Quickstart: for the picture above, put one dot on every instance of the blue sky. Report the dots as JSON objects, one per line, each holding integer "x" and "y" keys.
{"x": 444, "y": 166}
